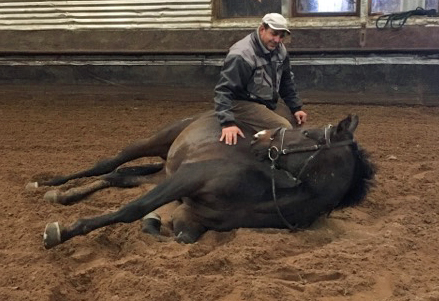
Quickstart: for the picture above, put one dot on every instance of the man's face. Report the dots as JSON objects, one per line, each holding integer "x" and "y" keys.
{"x": 270, "y": 37}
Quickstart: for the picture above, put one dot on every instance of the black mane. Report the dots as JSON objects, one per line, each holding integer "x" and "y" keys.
{"x": 362, "y": 181}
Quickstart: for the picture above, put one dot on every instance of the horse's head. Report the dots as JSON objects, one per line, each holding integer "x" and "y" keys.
{"x": 273, "y": 143}
{"x": 326, "y": 161}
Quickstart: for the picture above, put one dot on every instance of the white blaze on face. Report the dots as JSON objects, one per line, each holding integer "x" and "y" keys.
{"x": 260, "y": 134}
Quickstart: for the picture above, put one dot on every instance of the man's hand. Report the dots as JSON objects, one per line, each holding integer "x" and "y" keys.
{"x": 230, "y": 134}
{"x": 300, "y": 117}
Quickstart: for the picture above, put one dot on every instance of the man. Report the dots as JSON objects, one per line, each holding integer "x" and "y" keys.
{"x": 256, "y": 72}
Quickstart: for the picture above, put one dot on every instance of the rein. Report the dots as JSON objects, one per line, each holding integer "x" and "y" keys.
{"x": 274, "y": 154}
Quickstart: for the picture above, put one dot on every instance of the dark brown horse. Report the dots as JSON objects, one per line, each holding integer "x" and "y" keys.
{"x": 276, "y": 178}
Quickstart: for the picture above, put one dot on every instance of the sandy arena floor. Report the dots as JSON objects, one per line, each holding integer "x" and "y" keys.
{"x": 385, "y": 249}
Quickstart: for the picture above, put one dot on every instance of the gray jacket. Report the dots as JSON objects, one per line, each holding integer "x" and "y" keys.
{"x": 252, "y": 73}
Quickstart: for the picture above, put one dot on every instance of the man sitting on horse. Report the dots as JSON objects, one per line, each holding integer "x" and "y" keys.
{"x": 256, "y": 72}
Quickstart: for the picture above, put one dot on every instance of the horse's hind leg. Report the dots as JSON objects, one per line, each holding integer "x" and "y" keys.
{"x": 122, "y": 177}
{"x": 156, "y": 145}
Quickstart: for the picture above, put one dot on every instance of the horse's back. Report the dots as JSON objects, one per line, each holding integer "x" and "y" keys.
{"x": 200, "y": 142}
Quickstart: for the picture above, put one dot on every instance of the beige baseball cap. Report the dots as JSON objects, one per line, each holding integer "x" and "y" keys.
{"x": 276, "y": 21}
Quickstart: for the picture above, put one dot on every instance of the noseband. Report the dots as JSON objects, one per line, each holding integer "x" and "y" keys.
{"x": 274, "y": 153}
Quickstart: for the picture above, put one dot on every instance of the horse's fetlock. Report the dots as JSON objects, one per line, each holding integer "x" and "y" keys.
{"x": 53, "y": 196}
{"x": 151, "y": 224}
{"x": 82, "y": 226}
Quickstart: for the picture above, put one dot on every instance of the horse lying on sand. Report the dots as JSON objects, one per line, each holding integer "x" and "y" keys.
{"x": 277, "y": 178}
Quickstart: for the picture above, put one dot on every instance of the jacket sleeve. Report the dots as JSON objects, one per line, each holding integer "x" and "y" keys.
{"x": 287, "y": 88}
{"x": 232, "y": 85}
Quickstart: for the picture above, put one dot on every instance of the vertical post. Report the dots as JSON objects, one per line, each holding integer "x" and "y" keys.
{"x": 363, "y": 31}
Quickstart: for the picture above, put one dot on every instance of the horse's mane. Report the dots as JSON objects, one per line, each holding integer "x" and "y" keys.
{"x": 362, "y": 181}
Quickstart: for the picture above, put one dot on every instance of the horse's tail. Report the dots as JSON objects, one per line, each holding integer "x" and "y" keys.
{"x": 362, "y": 181}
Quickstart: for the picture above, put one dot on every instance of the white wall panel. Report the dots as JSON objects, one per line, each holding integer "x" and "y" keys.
{"x": 85, "y": 14}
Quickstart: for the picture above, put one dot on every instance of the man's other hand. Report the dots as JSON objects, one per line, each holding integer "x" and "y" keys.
{"x": 300, "y": 117}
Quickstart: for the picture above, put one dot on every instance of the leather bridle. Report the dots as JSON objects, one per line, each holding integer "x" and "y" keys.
{"x": 274, "y": 153}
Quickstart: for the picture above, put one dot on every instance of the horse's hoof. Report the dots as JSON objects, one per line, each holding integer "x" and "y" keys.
{"x": 52, "y": 235}
{"x": 185, "y": 238}
{"x": 151, "y": 223}
{"x": 31, "y": 186}
{"x": 53, "y": 196}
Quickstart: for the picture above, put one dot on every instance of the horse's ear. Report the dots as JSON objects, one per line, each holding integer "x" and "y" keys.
{"x": 274, "y": 132}
{"x": 349, "y": 124}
